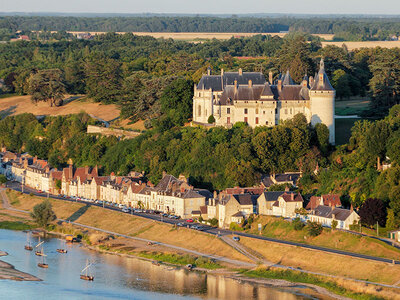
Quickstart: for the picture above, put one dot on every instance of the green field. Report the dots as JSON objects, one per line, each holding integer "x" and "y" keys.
{"x": 353, "y": 106}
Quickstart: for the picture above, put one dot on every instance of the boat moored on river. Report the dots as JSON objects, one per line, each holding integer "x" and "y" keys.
{"x": 86, "y": 276}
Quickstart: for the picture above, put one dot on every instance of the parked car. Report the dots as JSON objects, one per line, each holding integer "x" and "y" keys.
{"x": 189, "y": 220}
{"x": 180, "y": 224}
{"x": 236, "y": 238}
{"x": 125, "y": 210}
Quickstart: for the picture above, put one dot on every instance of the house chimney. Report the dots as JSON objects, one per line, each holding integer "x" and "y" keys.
{"x": 240, "y": 72}
{"x": 351, "y": 208}
{"x": 70, "y": 171}
{"x": 163, "y": 174}
{"x": 35, "y": 159}
{"x": 250, "y": 84}
{"x": 208, "y": 71}
{"x": 292, "y": 196}
{"x": 215, "y": 194}
{"x": 279, "y": 85}
{"x": 222, "y": 72}
{"x": 270, "y": 77}
{"x": 287, "y": 189}
{"x": 182, "y": 189}
{"x": 235, "y": 86}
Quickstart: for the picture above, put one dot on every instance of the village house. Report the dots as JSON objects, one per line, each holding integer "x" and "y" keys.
{"x": 35, "y": 174}
{"x": 332, "y": 200}
{"x": 326, "y": 214}
{"x": 286, "y": 178}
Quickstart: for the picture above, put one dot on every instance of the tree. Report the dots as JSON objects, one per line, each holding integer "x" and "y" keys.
{"x": 3, "y": 179}
{"x": 211, "y": 119}
{"x": 43, "y": 213}
{"x": 334, "y": 224}
{"x": 314, "y": 228}
{"x": 373, "y": 210}
{"x": 297, "y": 224}
{"x": 48, "y": 86}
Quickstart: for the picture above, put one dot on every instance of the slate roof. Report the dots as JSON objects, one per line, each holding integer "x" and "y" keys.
{"x": 218, "y": 82}
{"x": 323, "y": 85}
{"x": 327, "y": 212}
{"x": 239, "y": 214}
{"x": 273, "y": 196}
{"x": 246, "y": 199}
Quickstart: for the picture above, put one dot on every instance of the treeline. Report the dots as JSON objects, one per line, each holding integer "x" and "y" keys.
{"x": 353, "y": 169}
{"x": 134, "y": 71}
{"x": 215, "y": 158}
{"x": 344, "y": 28}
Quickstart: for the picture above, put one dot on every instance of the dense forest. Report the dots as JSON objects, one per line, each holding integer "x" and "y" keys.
{"x": 344, "y": 28}
{"x": 135, "y": 72}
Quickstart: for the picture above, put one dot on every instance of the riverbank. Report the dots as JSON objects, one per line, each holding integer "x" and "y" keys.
{"x": 7, "y": 271}
{"x": 174, "y": 243}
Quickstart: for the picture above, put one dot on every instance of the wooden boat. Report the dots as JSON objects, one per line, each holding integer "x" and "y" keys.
{"x": 86, "y": 276}
{"x": 28, "y": 245}
{"x": 43, "y": 263}
{"x": 62, "y": 251}
{"x": 39, "y": 252}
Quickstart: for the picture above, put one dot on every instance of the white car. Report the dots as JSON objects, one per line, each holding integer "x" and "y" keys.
{"x": 125, "y": 210}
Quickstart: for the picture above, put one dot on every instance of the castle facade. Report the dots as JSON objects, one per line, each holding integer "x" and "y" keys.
{"x": 248, "y": 97}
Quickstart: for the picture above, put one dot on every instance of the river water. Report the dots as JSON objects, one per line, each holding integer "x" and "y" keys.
{"x": 115, "y": 277}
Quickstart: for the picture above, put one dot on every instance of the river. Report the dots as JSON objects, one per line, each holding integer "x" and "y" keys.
{"x": 115, "y": 277}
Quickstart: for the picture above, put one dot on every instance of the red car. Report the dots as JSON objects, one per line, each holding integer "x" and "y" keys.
{"x": 189, "y": 220}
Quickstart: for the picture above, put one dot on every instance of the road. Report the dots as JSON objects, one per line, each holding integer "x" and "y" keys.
{"x": 220, "y": 232}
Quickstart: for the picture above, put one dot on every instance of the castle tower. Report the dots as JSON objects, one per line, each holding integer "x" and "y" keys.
{"x": 322, "y": 98}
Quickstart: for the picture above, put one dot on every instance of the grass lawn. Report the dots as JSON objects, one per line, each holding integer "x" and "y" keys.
{"x": 352, "y": 106}
{"x": 343, "y": 130}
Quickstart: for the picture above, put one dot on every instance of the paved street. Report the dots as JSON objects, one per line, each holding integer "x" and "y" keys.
{"x": 212, "y": 230}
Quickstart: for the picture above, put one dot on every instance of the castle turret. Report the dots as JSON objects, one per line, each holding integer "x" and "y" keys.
{"x": 322, "y": 98}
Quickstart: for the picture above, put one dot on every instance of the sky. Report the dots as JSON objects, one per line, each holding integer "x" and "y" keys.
{"x": 391, "y": 7}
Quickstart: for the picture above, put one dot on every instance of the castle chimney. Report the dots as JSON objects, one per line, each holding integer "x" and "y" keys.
{"x": 287, "y": 189}
{"x": 208, "y": 71}
{"x": 235, "y": 86}
{"x": 270, "y": 77}
{"x": 292, "y": 196}
{"x": 240, "y": 72}
{"x": 70, "y": 171}
{"x": 182, "y": 189}
{"x": 215, "y": 194}
{"x": 250, "y": 84}
{"x": 304, "y": 83}
{"x": 163, "y": 174}
{"x": 321, "y": 79}
{"x": 311, "y": 81}
{"x": 279, "y": 85}
{"x": 222, "y": 72}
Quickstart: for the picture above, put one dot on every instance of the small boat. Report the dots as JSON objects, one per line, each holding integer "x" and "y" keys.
{"x": 28, "y": 246}
{"x": 43, "y": 263}
{"x": 189, "y": 267}
{"x": 62, "y": 251}
{"x": 39, "y": 252}
{"x": 86, "y": 276}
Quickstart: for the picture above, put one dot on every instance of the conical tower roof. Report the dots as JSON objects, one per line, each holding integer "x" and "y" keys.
{"x": 287, "y": 80}
{"x": 321, "y": 80}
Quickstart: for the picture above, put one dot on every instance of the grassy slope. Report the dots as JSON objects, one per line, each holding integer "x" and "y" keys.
{"x": 278, "y": 228}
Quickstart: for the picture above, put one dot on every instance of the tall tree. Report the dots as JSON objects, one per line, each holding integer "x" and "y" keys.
{"x": 373, "y": 211}
{"x": 48, "y": 86}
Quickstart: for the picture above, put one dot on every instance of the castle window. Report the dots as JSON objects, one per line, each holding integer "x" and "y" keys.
{"x": 199, "y": 110}
{"x": 256, "y": 111}
{"x": 228, "y": 110}
{"x": 266, "y": 122}
{"x": 245, "y": 119}
{"x": 276, "y": 111}
{"x": 263, "y": 112}
{"x": 256, "y": 120}
{"x": 290, "y": 111}
{"x": 285, "y": 111}
{"x": 245, "y": 111}
{"x": 228, "y": 120}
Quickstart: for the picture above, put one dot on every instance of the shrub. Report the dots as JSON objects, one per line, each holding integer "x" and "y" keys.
{"x": 334, "y": 224}
{"x": 297, "y": 224}
{"x": 235, "y": 227}
{"x": 211, "y": 119}
{"x": 201, "y": 219}
{"x": 214, "y": 222}
{"x": 314, "y": 228}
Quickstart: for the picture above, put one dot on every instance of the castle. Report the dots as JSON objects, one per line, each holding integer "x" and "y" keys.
{"x": 247, "y": 97}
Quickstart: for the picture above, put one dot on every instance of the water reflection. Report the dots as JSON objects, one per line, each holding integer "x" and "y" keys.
{"x": 115, "y": 277}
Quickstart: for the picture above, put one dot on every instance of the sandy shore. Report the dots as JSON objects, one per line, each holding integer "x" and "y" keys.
{"x": 8, "y": 271}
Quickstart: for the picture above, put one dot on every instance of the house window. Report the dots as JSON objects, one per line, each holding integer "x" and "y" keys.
{"x": 266, "y": 122}
{"x": 228, "y": 110}
{"x": 245, "y": 111}
{"x": 256, "y": 120}
{"x": 263, "y": 112}
{"x": 245, "y": 119}
{"x": 228, "y": 120}
{"x": 199, "y": 110}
